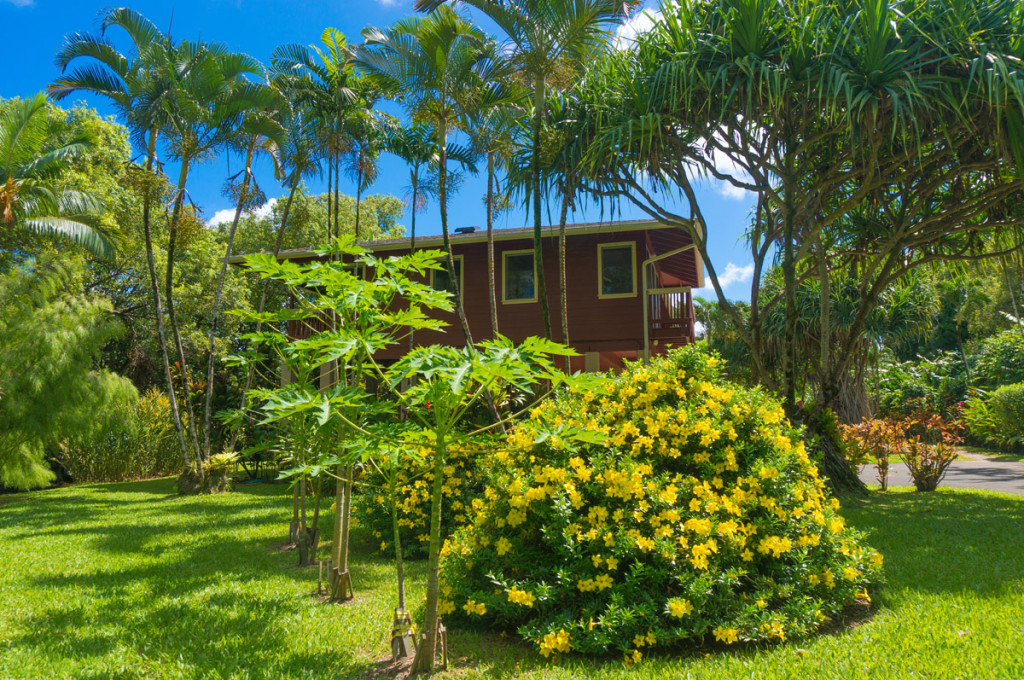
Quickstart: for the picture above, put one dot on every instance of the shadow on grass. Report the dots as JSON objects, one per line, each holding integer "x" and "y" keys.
{"x": 191, "y": 583}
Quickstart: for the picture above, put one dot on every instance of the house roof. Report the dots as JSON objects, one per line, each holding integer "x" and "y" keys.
{"x": 436, "y": 240}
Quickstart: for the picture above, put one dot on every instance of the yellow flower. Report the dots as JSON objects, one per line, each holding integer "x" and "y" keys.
{"x": 726, "y": 635}
{"x": 445, "y": 607}
{"x": 613, "y": 563}
{"x": 503, "y": 545}
{"x": 521, "y": 597}
{"x": 679, "y": 607}
{"x": 473, "y": 607}
{"x": 553, "y": 643}
{"x": 603, "y": 582}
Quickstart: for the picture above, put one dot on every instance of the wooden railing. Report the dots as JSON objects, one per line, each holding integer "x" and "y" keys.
{"x": 671, "y": 318}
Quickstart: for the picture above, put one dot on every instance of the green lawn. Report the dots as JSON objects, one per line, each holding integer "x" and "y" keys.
{"x": 1013, "y": 457}
{"x": 131, "y": 581}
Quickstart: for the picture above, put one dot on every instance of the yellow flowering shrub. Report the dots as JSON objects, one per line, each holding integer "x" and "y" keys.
{"x": 700, "y": 517}
{"x": 463, "y": 482}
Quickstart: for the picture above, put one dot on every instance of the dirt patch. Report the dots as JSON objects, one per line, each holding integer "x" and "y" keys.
{"x": 386, "y": 668}
{"x": 853, "y": 616}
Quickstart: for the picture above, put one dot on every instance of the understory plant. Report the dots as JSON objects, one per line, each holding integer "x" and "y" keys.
{"x": 135, "y": 440}
{"x": 985, "y": 426}
{"x": 878, "y": 439}
{"x": 695, "y": 515}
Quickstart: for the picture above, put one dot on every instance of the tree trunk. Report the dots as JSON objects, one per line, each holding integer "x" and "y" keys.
{"x": 154, "y": 284}
{"x": 824, "y": 317}
{"x": 412, "y": 242}
{"x": 424, "y": 661}
{"x": 399, "y": 558}
{"x": 330, "y": 169}
{"x": 293, "y": 528}
{"x": 538, "y": 243}
{"x": 442, "y": 184}
{"x": 303, "y": 527}
{"x": 562, "y": 286}
{"x": 359, "y": 193}
{"x": 263, "y": 302}
{"x": 172, "y": 316}
{"x": 493, "y": 297}
{"x": 789, "y": 292}
{"x": 217, "y": 298}
{"x": 345, "y": 516}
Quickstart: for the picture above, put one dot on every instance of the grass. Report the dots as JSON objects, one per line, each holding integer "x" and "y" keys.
{"x": 131, "y": 581}
{"x": 996, "y": 454}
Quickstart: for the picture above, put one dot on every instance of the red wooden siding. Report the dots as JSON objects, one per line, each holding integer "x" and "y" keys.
{"x": 613, "y": 327}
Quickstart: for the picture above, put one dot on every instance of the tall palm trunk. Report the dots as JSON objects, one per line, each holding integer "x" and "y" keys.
{"x": 415, "y": 197}
{"x": 218, "y": 297}
{"x": 337, "y": 194}
{"x": 359, "y": 193}
{"x": 493, "y": 297}
{"x": 161, "y": 332}
{"x": 442, "y": 186}
{"x": 538, "y": 244}
{"x": 262, "y": 306}
{"x": 562, "y": 287}
{"x": 414, "y": 176}
{"x": 172, "y": 241}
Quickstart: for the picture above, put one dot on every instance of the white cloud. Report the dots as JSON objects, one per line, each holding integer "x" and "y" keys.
{"x": 388, "y": 3}
{"x": 731, "y": 275}
{"x": 20, "y": 3}
{"x": 641, "y": 22}
{"x": 227, "y": 214}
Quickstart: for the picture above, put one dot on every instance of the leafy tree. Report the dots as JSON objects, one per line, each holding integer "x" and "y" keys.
{"x": 138, "y": 90}
{"x": 58, "y": 393}
{"x": 30, "y": 197}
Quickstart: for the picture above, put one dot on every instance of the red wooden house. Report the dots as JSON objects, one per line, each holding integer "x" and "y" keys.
{"x": 628, "y": 288}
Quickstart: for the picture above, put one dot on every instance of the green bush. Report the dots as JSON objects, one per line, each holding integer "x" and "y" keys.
{"x": 700, "y": 517}
{"x": 463, "y": 481}
{"x": 1007, "y": 405}
{"x": 135, "y": 440}
{"x": 987, "y": 427}
{"x": 935, "y": 384}
{"x": 999, "y": 360}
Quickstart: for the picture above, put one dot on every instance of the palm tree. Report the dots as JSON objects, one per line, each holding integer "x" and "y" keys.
{"x": 416, "y": 145}
{"x": 438, "y": 63}
{"x": 31, "y": 197}
{"x": 258, "y": 132}
{"x": 492, "y": 135}
{"x": 549, "y": 41}
{"x": 321, "y": 82}
{"x": 298, "y": 158}
{"x": 209, "y": 90}
{"x": 137, "y": 91}
{"x": 366, "y": 132}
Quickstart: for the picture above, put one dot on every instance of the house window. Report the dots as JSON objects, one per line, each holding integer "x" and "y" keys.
{"x": 616, "y": 265}
{"x": 519, "y": 277}
{"x": 439, "y": 279}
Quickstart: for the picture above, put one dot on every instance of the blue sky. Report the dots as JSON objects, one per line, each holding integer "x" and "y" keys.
{"x": 34, "y": 30}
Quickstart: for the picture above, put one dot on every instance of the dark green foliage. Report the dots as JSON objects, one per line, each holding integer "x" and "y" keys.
{"x": 999, "y": 360}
